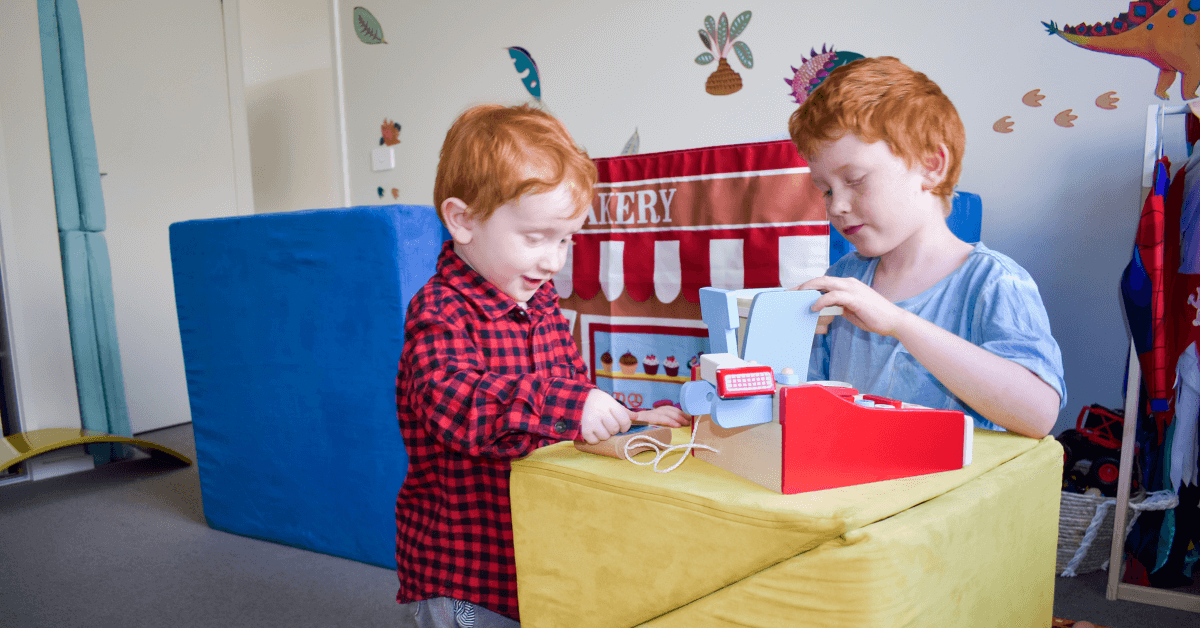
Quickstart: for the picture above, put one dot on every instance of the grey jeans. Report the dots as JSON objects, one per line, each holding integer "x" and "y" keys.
{"x": 445, "y": 612}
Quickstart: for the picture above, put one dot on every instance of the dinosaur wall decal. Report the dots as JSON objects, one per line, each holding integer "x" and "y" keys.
{"x": 1164, "y": 32}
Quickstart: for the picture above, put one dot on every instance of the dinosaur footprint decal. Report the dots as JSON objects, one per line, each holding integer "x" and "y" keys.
{"x": 1065, "y": 118}
{"x": 1107, "y": 100}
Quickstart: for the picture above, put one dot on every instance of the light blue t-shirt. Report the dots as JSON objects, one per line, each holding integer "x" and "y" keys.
{"x": 989, "y": 300}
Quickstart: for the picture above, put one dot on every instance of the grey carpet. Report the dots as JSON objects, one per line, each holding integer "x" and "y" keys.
{"x": 127, "y": 545}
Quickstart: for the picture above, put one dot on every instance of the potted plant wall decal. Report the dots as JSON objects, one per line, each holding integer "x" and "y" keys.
{"x": 722, "y": 33}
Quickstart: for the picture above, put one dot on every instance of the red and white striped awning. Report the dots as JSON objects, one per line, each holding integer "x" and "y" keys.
{"x": 666, "y": 224}
{"x": 669, "y": 262}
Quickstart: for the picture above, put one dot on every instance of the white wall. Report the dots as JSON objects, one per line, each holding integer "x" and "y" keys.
{"x": 1061, "y": 201}
{"x": 32, "y": 268}
{"x": 290, "y": 104}
{"x": 165, "y": 134}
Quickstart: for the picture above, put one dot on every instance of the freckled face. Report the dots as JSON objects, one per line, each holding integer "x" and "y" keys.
{"x": 872, "y": 197}
{"x": 524, "y": 243}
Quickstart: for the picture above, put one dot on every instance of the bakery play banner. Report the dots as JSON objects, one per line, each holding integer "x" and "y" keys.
{"x": 664, "y": 225}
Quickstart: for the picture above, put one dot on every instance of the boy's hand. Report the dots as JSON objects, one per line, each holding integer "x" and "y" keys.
{"x": 668, "y": 416}
{"x": 861, "y": 305}
{"x": 603, "y": 417}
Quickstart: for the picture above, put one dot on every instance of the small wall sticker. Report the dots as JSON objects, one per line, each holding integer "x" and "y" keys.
{"x": 812, "y": 71}
{"x": 722, "y": 33}
{"x": 1065, "y": 119}
{"x": 367, "y": 27}
{"x": 390, "y": 132}
{"x": 523, "y": 61}
{"x": 631, "y": 147}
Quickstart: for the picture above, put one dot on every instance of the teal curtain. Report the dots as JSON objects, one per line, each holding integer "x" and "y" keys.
{"x": 80, "y": 207}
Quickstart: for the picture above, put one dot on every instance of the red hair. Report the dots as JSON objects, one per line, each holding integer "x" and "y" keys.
{"x": 882, "y": 99}
{"x": 495, "y": 154}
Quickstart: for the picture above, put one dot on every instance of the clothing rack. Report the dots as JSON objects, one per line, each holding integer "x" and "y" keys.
{"x": 1155, "y": 116}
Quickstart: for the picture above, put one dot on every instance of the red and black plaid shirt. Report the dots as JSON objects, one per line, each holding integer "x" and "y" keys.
{"x": 481, "y": 382}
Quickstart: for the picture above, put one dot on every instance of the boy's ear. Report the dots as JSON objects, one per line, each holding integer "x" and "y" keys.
{"x": 459, "y": 221}
{"x": 935, "y": 166}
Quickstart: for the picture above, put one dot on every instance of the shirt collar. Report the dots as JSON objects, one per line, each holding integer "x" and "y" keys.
{"x": 481, "y": 293}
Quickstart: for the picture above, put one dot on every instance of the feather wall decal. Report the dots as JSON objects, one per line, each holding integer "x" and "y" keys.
{"x": 631, "y": 147}
{"x": 367, "y": 27}
{"x": 523, "y": 61}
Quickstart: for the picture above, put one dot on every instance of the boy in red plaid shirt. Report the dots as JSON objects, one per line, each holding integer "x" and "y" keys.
{"x": 490, "y": 371}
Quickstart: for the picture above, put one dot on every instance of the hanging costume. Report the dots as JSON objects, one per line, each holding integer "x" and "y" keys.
{"x": 1161, "y": 292}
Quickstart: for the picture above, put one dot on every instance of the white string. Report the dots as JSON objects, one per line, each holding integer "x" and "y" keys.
{"x": 1158, "y": 500}
{"x": 642, "y": 440}
{"x": 1088, "y": 536}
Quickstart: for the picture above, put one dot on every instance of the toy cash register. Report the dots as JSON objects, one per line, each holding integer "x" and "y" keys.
{"x": 765, "y": 424}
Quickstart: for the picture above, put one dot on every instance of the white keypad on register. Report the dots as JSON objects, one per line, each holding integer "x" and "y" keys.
{"x": 762, "y": 381}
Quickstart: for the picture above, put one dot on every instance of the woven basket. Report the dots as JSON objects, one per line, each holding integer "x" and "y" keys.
{"x": 1075, "y": 513}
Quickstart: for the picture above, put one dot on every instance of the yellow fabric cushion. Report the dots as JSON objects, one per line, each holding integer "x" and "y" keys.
{"x": 980, "y": 555}
{"x": 603, "y": 542}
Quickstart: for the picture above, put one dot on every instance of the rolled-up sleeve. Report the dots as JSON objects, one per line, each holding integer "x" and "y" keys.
{"x": 1011, "y": 322}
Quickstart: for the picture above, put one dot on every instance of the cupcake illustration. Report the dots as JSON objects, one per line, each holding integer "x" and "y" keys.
{"x": 671, "y": 366}
{"x": 606, "y": 361}
{"x": 628, "y": 364}
{"x": 650, "y": 364}
{"x": 695, "y": 361}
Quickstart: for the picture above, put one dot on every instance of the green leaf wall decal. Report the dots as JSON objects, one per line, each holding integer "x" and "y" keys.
{"x": 739, "y": 24}
{"x": 367, "y": 27}
{"x": 705, "y": 40}
{"x": 711, "y": 25}
{"x": 722, "y": 32}
{"x": 743, "y": 53}
{"x": 704, "y": 58}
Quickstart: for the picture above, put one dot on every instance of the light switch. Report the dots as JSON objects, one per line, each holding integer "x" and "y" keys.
{"x": 383, "y": 158}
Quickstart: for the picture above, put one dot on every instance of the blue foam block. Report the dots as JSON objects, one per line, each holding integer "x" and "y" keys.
{"x": 292, "y": 325}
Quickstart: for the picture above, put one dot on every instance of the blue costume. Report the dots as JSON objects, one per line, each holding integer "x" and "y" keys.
{"x": 990, "y": 301}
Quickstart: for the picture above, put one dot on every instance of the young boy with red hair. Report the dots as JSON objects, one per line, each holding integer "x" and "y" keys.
{"x": 489, "y": 371}
{"x": 928, "y": 319}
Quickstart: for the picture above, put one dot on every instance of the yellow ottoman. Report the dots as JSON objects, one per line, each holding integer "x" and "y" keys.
{"x": 606, "y": 543}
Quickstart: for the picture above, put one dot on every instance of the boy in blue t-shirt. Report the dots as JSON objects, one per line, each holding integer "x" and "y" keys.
{"x": 928, "y": 319}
